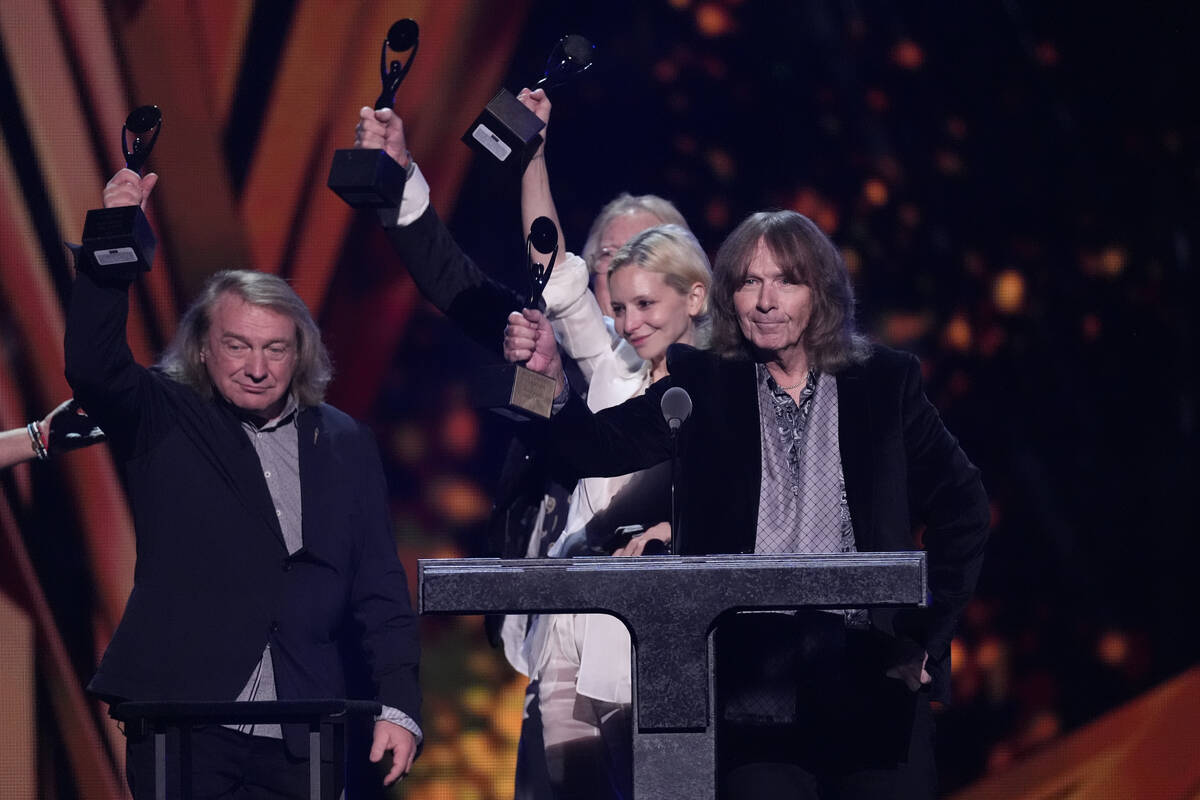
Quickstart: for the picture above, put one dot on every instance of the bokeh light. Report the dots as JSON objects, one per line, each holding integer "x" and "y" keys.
{"x": 1008, "y": 291}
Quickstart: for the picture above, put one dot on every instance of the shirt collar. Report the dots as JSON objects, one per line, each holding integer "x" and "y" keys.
{"x": 290, "y": 407}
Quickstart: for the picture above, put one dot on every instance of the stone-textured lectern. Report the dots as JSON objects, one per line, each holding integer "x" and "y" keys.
{"x": 670, "y": 605}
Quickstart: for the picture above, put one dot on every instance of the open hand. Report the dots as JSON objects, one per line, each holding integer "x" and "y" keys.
{"x": 400, "y": 742}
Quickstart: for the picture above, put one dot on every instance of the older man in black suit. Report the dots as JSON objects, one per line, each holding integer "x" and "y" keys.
{"x": 263, "y": 536}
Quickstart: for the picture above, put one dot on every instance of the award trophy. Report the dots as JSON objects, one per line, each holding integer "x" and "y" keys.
{"x": 506, "y": 127}
{"x": 370, "y": 178}
{"x": 512, "y": 390}
{"x": 117, "y": 242}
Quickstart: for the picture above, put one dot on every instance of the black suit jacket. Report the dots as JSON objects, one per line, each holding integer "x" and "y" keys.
{"x": 480, "y": 305}
{"x": 214, "y": 583}
{"x": 901, "y": 466}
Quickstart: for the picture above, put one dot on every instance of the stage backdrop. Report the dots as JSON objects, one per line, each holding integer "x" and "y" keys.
{"x": 255, "y": 96}
{"x": 1012, "y": 183}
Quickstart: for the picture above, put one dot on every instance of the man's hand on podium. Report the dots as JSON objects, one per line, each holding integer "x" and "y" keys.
{"x": 537, "y": 102}
{"x": 637, "y": 545}
{"x": 401, "y": 743}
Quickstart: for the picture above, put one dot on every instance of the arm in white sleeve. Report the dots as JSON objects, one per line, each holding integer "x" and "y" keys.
{"x": 578, "y": 323}
{"x": 413, "y": 202}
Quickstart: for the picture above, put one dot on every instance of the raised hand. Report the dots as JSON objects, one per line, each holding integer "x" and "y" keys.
{"x": 382, "y": 130}
{"x": 127, "y": 188}
{"x": 537, "y": 102}
{"x": 390, "y": 737}
{"x": 529, "y": 340}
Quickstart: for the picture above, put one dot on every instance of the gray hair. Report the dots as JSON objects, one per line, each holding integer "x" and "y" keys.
{"x": 626, "y": 203}
{"x": 805, "y": 255}
{"x": 182, "y": 362}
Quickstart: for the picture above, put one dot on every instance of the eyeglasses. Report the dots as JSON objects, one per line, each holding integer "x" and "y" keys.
{"x": 604, "y": 255}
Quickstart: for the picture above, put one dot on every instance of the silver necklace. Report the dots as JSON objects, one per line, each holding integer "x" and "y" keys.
{"x": 803, "y": 381}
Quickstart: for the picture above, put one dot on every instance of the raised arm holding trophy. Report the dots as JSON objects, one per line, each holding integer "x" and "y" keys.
{"x": 369, "y": 177}
{"x": 506, "y": 126}
{"x": 511, "y": 389}
{"x": 117, "y": 239}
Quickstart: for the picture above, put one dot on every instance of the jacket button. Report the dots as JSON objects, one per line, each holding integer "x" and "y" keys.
{"x": 274, "y": 627}
{"x": 287, "y": 565}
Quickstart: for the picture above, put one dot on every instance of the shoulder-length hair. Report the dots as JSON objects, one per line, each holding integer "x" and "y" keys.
{"x": 181, "y": 361}
{"x": 805, "y": 255}
{"x": 625, "y": 203}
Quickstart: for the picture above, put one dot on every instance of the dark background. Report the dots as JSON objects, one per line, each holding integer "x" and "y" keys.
{"x": 1014, "y": 185}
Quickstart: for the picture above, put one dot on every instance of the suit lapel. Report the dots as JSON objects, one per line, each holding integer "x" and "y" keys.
{"x": 855, "y": 424}
{"x": 245, "y": 475}
{"x": 314, "y": 478}
{"x": 734, "y": 438}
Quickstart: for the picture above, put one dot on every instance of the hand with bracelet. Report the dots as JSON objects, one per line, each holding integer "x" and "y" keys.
{"x": 65, "y": 428}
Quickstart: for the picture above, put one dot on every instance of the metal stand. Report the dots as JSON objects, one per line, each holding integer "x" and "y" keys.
{"x": 324, "y": 718}
{"x": 670, "y": 605}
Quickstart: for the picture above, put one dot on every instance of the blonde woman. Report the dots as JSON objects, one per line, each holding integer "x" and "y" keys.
{"x": 579, "y": 664}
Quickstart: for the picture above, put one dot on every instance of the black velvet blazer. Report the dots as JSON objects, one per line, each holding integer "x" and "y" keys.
{"x": 902, "y": 468}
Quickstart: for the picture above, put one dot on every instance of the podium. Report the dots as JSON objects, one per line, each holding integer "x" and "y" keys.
{"x": 326, "y": 721}
{"x": 670, "y": 605}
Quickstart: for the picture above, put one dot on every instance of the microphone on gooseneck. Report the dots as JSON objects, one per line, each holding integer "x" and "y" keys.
{"x": 676, "y": 405}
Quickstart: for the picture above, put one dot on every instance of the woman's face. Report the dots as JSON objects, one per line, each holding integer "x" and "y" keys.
{"x": 650, "y": 313}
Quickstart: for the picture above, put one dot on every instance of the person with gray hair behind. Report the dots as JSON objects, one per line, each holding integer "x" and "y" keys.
{"x": 621, "y": 218}
{"x": 264, "y": 547}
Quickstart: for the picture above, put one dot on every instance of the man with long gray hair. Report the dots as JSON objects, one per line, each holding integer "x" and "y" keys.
{"x": 804, "y": 438}
{"x": 264, "y": 547}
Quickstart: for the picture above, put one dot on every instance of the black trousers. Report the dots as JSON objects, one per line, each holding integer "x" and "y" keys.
{"x": 224, "y": 764}
{"x": 855, "y": 734}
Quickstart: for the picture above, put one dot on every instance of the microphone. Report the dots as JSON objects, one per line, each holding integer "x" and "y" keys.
{"x": 676, "y": 407}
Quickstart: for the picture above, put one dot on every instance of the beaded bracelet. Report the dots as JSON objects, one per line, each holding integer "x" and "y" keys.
{"x": 35, "y": 439}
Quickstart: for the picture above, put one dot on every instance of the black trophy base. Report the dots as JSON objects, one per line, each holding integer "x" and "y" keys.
{"x": 507, "y": 132}
{"x": 514, "y": 391}
{"x": 367, "y": 178}
{"x": 117, "y": 243}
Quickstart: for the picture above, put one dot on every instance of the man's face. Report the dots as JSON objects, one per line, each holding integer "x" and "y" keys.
{"x": 616, "y": 233}
{"x": 250, "y": 355}
{"x": 772, "y": 309}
